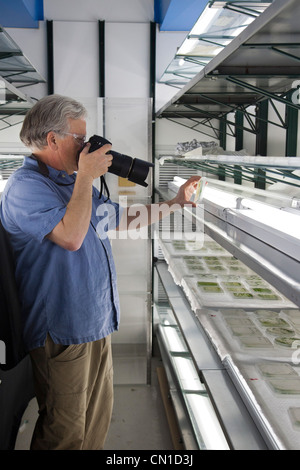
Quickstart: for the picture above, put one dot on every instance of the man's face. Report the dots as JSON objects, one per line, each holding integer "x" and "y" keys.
{"x": 71, "y": 144}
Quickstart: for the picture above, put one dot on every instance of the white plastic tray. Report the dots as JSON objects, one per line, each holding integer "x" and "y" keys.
{"x": 232, "y": 291}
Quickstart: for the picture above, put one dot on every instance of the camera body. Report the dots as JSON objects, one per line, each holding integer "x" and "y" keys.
{"x": 133, "y": 169}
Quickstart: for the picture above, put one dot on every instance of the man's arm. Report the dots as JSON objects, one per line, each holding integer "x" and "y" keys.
{"x": 70, "y": 232}
{"x": 155, "y": 212}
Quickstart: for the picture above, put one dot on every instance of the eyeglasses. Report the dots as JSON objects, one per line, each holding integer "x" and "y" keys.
{"x": 79, "y": 138}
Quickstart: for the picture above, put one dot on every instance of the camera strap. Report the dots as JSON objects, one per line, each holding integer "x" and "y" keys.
{"x": 43, "y": 169}
{"x": 103, "y": 184}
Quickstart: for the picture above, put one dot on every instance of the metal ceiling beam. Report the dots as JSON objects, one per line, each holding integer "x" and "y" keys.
{"x": 275, "y": 47}
{"x": 194, "y": 127}
{"x": 246, "y": 113}
{"x": 262, "y": 92}
{"x": 221, "y": 118}
{"x": 243, "y": 9}
{"x": 6, "y": 114}
{"x": 291, "y": 56}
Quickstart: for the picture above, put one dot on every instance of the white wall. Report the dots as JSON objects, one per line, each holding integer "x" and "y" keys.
{"x": 134, "y": 11}
{"x": 75, "y": 64}
{"x": 127, "y": 75}
{"x": 127, "y": 59}
{"x": 76, "y": 51}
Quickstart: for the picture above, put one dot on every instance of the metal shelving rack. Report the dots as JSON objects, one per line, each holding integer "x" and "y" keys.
{"x": 272, "y": 256}
{"x": 240, "y": 430}
{"x": 270, "y": 252}
{"x": 219, "y": 24}
{"x": 16, "y": 72}
{"x": 237, "y": 78}
{"x": 231, "y": 82}
{"x": 275, "y": 170}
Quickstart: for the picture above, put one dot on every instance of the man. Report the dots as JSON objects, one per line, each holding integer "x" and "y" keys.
{"x": 65, "y": 273}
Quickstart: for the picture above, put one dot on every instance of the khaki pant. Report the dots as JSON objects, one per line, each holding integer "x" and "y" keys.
{"x": 74, "y": 389}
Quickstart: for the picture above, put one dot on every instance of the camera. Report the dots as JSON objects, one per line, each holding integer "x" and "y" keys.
{"x": 133, "y": 169}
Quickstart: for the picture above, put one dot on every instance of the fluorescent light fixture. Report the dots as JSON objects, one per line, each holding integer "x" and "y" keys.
{"x": 201, "y": 410}
{"x": 267, "y": 215}
{"x": 221, "y": 198}
{"x": 217, "y": 196}
{"x": 187, "y": 374}
{"x": 207, "y": 428}
{"x": 278, "y": 219}
{"x": 261, "y": 211}
{"x": 179, "y": 181}
{"x": 205, "y": 419}
{"x": 175, "y": 343}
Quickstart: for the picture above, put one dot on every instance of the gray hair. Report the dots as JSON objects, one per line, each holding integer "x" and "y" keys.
{"x": 49, "y": 114}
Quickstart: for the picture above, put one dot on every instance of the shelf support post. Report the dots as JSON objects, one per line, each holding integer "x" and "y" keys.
{"x": 261, "y": 140}
{"x": 291, "y": 119}
{"x": 239, "y": 143}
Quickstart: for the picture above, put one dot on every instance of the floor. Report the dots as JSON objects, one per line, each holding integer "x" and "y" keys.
{"x": 139, "y": 420}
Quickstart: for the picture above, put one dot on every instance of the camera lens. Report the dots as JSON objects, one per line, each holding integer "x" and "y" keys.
{"x": 139, "y": 171}
{"x": 121, "y": 164}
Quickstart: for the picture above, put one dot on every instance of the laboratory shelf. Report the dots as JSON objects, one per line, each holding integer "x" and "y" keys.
{"x": 276, "y": 169}
{"x": 217, "y": 26}
{"x": 261, "y": 63}
{"x": 260, "y": 238}
{"x": 256, "y": 340}
{"x": 16, "y": 72}
{"x": 240, "y": 430}
{"x": 244, "y": 365}
{"x": 257, "y": 369}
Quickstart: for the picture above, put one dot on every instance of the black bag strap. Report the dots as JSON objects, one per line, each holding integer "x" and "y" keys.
{"x": 12, "y": 349}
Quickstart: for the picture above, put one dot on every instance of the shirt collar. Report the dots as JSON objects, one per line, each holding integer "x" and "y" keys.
{"x": 56, "y": 175}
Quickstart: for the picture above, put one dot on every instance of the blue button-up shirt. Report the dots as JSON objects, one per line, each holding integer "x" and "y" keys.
{"x": 70, "y": 295}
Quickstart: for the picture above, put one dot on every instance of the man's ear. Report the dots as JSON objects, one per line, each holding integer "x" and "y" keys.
{"x": 51, "y": 140}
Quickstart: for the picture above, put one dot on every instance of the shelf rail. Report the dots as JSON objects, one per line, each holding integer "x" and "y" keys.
{"x": 216, "y": 165}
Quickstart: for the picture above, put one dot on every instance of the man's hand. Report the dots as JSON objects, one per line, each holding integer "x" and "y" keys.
{"x": 186, "y": 191}
{"x": 70, "y": 232}
{"x": 155, "y": 212}
{"x": 96, "y": 163}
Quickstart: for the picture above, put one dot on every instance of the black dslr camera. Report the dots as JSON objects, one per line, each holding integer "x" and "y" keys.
{"x": 133, "y": 169}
